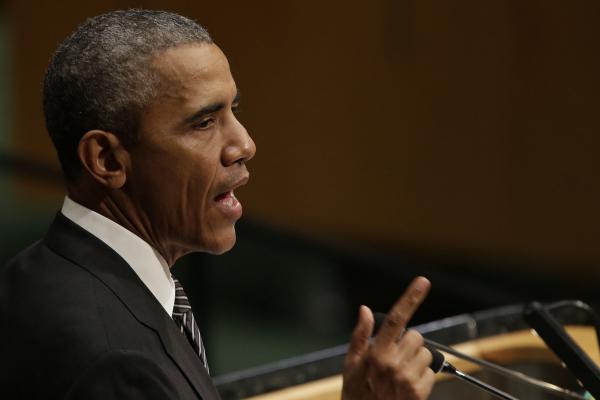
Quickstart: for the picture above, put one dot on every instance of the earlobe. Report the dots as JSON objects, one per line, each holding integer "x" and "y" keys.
{"x": 103, "y": 156}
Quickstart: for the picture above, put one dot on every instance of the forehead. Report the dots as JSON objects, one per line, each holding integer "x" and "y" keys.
{"x": 199, "y": 69}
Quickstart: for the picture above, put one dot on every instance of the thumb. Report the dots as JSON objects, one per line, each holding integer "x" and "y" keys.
{"x": 359, "y": 343}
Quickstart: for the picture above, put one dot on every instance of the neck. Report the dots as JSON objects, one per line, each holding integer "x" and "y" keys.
{"x": 118, "y": 207}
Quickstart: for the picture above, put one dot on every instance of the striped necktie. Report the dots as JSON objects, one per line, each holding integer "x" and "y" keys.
{"x": 184, "y": 318}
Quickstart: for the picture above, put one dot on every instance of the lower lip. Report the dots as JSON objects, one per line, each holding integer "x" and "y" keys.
{"x": 229, "y": 205}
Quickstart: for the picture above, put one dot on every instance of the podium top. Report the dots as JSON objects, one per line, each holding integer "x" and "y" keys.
{"x": 328, "y": 362}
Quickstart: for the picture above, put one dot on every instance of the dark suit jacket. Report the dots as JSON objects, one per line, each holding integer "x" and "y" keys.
{"x": 77, "y": 323}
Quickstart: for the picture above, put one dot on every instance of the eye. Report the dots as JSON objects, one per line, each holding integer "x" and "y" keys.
{"x": 204, "y": 124}
{"x": 235, "y": 108}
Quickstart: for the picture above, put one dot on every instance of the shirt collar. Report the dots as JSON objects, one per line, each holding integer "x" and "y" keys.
{"x": 145, "y": 261}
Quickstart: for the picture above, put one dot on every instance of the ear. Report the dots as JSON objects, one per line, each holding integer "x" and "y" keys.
{"x": 105, "y": 158}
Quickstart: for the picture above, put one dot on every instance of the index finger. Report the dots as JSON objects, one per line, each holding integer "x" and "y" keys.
{"x": 394, "y": 324}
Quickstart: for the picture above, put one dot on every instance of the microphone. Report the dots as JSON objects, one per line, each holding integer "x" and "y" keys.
{"x": 437, "y": 360}
{"x": 439, "y": 364}
{"x": 452, "y": 370}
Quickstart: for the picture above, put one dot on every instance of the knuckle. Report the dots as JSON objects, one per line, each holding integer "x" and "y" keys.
{"x": 379, "y": 365}
{"x": 372, "y": 361}
{"x": 414, "y": 337}
{"x": 412, "y": 299}
{"x": 410, "y": 391}
{"x": 429, "y": 376}
{"x": 395, "y": 320}
{"x": 359, "y": 338}
{"x": 426, "y": 354}
{"x": 405, "y": 374}
{"x": 402, "y": 376}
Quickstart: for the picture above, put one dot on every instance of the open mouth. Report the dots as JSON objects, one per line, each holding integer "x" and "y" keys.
{"x": 227, "y": 202}
{"x": 227, "y": 199}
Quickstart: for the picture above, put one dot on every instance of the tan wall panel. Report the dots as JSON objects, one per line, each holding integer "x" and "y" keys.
{"x": 468, "y": 126}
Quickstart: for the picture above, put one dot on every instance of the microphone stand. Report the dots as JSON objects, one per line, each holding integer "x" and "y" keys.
{"x": 450, "y": 369}
{"x": 555, "y": 336}
{"x": 439, "y": 364}
{"x": 546, "y": 386}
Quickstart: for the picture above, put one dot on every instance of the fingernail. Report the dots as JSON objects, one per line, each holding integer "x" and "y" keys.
{"x": 421, "y": 284}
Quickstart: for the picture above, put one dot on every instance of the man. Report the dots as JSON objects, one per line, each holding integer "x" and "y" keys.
{"x": 140, "y": 106}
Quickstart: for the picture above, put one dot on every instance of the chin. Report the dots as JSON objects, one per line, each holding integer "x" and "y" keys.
{"x": 222, "y": 244}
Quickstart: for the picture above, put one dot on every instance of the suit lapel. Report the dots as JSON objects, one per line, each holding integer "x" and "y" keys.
{"x": 82, "y": 248}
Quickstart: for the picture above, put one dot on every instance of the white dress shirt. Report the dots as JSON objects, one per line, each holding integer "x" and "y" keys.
{"x": 147, "y": 263}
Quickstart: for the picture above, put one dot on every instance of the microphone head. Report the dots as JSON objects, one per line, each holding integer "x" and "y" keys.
{"x": 437, "y": 361}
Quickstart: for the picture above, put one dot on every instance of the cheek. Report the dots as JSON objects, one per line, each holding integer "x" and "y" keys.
{"x": 184, "y": 171}
{"x": 177, "y": 186}
{"x": 198, "y": 178}
{"x": 169, "y": 185}
{"x": 195, "y": 184}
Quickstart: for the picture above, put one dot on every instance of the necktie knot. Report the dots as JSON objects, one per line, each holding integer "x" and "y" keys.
{"x": 185, "y": 320}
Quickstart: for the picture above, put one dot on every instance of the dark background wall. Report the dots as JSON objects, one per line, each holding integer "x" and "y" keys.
{"x": 394, "y": 137}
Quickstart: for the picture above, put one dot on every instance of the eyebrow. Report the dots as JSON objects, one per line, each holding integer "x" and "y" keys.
{"x": 209, "y": 109}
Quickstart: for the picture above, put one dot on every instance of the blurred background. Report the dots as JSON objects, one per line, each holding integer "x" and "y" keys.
{"x": 453, "y": 139}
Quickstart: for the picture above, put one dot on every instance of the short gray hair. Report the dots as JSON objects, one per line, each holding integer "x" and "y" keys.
{"x": 101, "y": 76}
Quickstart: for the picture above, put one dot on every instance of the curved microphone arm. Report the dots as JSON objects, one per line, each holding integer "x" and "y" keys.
{"x": 440, "y": 365}
{"x": 546, "y": 386}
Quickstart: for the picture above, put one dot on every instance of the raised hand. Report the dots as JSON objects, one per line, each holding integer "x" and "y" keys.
{"x": 395, "y": 365}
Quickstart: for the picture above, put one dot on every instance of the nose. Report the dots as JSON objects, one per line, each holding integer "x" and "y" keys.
{"x": 240, "y": 147}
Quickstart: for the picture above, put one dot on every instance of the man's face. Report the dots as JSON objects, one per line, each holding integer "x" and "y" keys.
{"x": 191, "y": 154}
